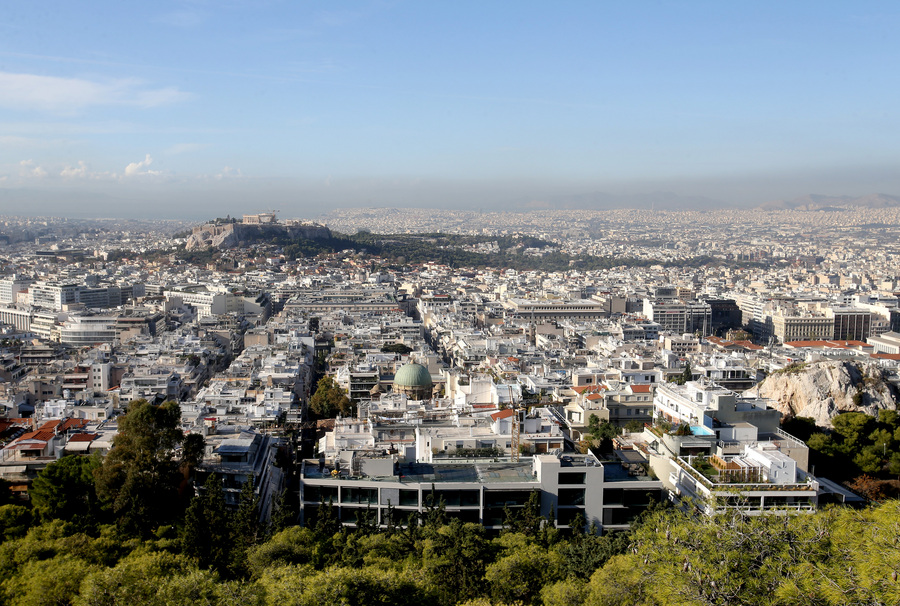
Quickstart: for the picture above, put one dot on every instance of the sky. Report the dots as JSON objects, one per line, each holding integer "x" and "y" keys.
{"x": 195, "y": 109}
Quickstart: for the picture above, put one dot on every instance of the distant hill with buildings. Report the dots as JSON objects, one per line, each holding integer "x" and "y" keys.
{"x": 606, "y": 201}
{"x": 818, "y": 202}
{"x": 264, "y": 227}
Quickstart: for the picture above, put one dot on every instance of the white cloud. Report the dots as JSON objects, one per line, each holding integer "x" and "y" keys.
{"x": 83, "y": 171}
{"x": 73, "y": 172}
{"x": 50, "y": 93}
{"x": 136, "y": 169}
{"x": 27, "y": 168}
{"x": 229, "y": 173}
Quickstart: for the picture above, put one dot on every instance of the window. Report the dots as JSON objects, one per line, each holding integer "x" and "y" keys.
{"x": 359, "y": 495}
{"x": 458, "y": 498}
{"x": 571, "y": 478}
{"x": 571, "y": 496}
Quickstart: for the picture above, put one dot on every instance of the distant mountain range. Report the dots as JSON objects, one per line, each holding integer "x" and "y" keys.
{"x": 817, "y": 202}
{"x": 671, "y": 201}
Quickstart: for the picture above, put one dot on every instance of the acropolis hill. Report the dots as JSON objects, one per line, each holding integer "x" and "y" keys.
{"x": 230, "y": 233}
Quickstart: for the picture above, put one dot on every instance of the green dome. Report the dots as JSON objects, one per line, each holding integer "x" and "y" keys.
{"x": 413, "y": 375}
{"x": 414, "y": 381}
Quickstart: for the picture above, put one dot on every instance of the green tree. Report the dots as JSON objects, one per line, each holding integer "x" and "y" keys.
{"x": 634, "y": 426}
{"x": 65, "y": 490}
{"x": 852, "y": 427}
{"x": 526, "y": 520}
{"x": 454, "y": 559}
{"x": 148, "y": 579}
{"x": 139, "y": 478}
{"x": 329, "y": 399}
{"x": 869, "y": 459}
{"x": 284, "y": 512}
{"x": 399, "y": 348}
{"x": 206, "y": 534}
{"x": 570, "y": 592}
{"x": 602, "y": 431}
{"x": 247, "y": 529}
{"x": 192, "y": 450}
{"x": 687, "y": 374}
{"x": 327, "y": 522}
{"x": 894, "y": 464}
{"x": 588, "y": 552}
{"x": 889, "y": 418}
{"x": 363, "y": 586}
{"x": 520, "y": 575}
{"x": 56, "y": 580}
{"x": 294, "y": 546}
{"x": 15, "y": 520}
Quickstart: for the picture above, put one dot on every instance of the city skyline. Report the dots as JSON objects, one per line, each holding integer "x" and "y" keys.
{"x": 194, "y": 109}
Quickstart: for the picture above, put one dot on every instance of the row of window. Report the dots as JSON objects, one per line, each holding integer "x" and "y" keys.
{"x": 495, "y": 516}
{"x": 450, "y": 498}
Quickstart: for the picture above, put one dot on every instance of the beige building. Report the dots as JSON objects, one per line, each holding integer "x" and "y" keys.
{"x": 793, "y": 326}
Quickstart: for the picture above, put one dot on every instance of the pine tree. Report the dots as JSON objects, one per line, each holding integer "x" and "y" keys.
{"x": 283, "y": 513}
{"x": 207, "y": 535}
{"x": 246, "y": 527}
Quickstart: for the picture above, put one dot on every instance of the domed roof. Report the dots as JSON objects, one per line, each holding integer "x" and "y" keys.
{"x": 413, "y": 375}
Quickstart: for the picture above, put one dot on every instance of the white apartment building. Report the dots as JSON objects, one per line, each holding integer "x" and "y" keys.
{"x": 84, "y": 331}
{"x": 11, "y": 286}
{"x": 609, "y": 495}
{"x": 16, "y": 317}
{"x": 52, "y": 296}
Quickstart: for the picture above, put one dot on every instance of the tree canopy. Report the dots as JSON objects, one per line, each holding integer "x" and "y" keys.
{"x": 329, "y": 399}
{"x": 65, "y": 490}
{"x": 140, "y": 477}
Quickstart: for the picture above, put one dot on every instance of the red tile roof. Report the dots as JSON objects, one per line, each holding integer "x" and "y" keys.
{"x": 503, "y": 414}
{"x": 84, "y": 437}
{"x": 65, "y": 424}
{"x": 41, "y": 435}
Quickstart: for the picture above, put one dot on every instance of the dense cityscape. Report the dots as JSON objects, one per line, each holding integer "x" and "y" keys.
{"x": 370, "y": 303}
{"x": 542, "y": 418}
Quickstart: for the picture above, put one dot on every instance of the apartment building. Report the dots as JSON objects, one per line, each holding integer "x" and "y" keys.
{"x": 608, "y": 494}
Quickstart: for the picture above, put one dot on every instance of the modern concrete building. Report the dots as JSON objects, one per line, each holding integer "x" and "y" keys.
{"x": 609, "y": 495}
{"x": 680, "y": 317}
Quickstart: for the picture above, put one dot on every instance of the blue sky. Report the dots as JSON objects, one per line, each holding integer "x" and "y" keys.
{"x": 191, "y": 108}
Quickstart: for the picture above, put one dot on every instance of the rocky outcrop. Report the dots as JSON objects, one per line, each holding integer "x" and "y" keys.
{"x": 230, "y": 235}
{"x": 823, "y": 390}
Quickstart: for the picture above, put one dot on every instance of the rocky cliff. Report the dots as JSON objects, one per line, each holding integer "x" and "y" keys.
{"x": 822, "y": 390}
{"x": 230, "y": 235}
